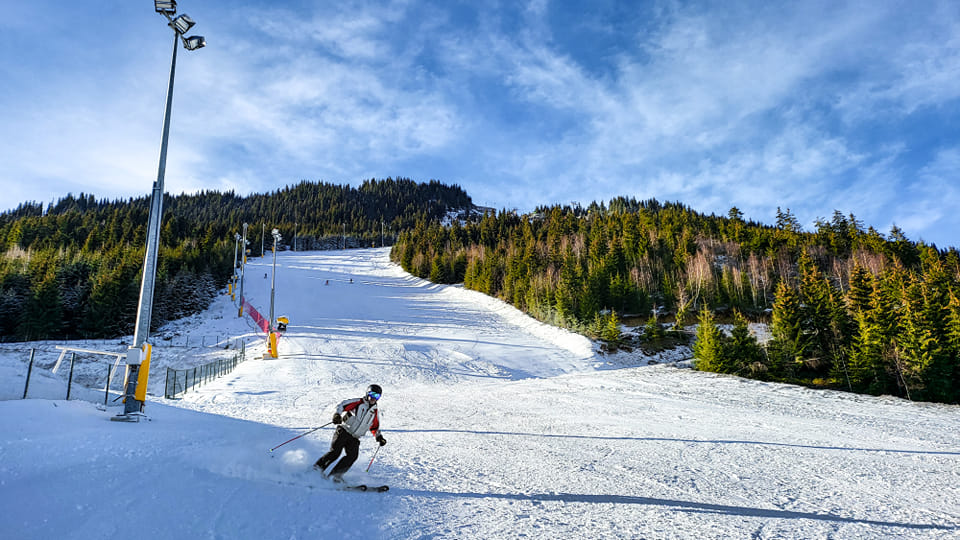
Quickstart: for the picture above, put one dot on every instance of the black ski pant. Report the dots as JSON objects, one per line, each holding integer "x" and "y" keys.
{"x": 342, "y": 442}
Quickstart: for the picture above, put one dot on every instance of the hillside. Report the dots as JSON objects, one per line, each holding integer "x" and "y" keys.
{"x": 849, "y": 307}
{"x": 73, "y": 268}
{"x": 497, "y": 426}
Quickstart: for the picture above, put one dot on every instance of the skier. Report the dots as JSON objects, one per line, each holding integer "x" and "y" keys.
{"x": 353, "y": 418}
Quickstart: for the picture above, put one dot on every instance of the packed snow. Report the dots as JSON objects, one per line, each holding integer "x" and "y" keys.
{"x": 497, "y": 426}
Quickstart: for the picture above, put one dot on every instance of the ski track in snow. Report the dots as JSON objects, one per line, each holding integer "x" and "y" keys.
{"x": 497, "y": 427}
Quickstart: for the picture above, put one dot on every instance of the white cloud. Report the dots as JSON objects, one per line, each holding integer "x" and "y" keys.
{"x": 756, "y": 105}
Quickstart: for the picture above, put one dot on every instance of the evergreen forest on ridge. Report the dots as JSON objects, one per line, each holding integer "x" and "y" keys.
{"x": 73, "y": 269}
{"x": 849, "y": 307}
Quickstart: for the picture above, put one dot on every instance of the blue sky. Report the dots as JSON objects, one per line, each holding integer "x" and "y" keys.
{"x": 814, "y": 106}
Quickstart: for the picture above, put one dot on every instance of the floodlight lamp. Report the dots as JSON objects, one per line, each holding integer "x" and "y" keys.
{"x": 193, "y": 43}
{"x": 167, "y": 7}
{"x": 182, "y": 23}
{"x": 275, "y": 232}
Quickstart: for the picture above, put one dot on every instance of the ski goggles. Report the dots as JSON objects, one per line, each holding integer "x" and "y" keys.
{"x": 374, "y": 395}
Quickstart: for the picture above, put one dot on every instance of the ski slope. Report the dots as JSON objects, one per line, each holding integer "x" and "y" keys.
{"x": 497, "y": 427}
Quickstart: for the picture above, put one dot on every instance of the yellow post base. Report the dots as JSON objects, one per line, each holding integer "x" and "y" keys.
{"x": 273, "y": 344}
{"x": 140, "y": 394}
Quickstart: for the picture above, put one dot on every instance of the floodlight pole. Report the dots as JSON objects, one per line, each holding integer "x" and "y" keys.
{"x": 233, "y": 275}
{"x": 138, "y": 355}
{"x": 236, "y": 248}
{"x": 243, "y": 260}
{"x": 145, "y": 306}
{"x": 131, "y": 405}
{"x": 273, "y": 279}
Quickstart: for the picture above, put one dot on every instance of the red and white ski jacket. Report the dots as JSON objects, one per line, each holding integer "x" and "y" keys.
{"x": 358, "y": 417}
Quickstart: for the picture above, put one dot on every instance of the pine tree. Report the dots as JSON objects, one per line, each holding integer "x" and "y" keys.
{"x": 917, "y": 345}
{"x": 611, "y": 328}
{"x": 438, "y": 272}
{"x": 953, "y": 347}
{"x": 866, "y": 370}
{"x": 818, "y": 312}
{"x": 43, "y": 313}
{"x": 789, "y": 343}
{"x": 653, "y": 330}
{"x": 14, "y": 292}
{"x": 742, "y": 353}
{"x": 708, "y": 349}
{"x": 861, "y": 285}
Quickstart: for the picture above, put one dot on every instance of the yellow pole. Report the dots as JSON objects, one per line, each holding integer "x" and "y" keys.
{"x": 140, "y": 394}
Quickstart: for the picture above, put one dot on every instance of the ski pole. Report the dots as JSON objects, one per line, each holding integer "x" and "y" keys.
{"x": 373, "y": 458}
{"x": 301, "y": 435}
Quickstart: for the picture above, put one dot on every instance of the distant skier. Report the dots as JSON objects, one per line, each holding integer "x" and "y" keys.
{"x": 354, "y": 417}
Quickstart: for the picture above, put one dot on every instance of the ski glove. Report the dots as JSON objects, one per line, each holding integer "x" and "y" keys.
{"x": 336, "y": 418}
{"x": 381, "y": 440}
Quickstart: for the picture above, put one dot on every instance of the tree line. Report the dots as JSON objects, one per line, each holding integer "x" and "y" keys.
{"x": 73, "y": 268}
{"x": 849, "y": 307}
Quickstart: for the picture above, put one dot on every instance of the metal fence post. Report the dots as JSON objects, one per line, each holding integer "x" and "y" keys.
{"x": 106, "y": 387}
{"x": 73, "y": 356}
{"x": 29, "y": 371}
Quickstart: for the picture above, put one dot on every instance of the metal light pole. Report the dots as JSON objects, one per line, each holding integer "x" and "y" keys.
{"x": 273, "y": 280}
{"x": 243, "y": 266}
{"x": 233, "y": 276}
{"x": 263, "y": 232}
{"x": 236, "y": 246}
{"x": 132, "y": 404}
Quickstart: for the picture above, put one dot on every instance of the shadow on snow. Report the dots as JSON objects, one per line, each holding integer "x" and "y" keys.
{"x": 667, "y": 439}
{"x": 677, "y": 505}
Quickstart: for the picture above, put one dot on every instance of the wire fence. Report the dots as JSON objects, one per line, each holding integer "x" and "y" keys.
{"x": 81, "y": 372}
{"x": 179, "y": 381}
{"x": 219, "y": 342}
{"x": 178, "y": 341}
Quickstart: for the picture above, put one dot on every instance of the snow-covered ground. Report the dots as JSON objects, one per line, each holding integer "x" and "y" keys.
{"x": 497, "y": 427}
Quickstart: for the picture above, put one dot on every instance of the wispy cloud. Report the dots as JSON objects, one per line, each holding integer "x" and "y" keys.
{"x": 814, "y": 106}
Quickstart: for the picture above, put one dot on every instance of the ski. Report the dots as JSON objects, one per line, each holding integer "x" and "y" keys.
{"x": 340, "y": 484}
{"x": 364, "y": 487}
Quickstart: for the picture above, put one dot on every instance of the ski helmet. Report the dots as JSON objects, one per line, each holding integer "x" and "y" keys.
{"x": 374, "y": 391}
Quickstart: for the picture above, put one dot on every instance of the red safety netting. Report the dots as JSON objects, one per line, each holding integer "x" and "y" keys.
{"x": 259, "y": 319}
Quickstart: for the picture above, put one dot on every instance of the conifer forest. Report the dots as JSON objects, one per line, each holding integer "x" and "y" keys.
{"x": 73, "y": 269}
{"x": 848, "y": 307}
